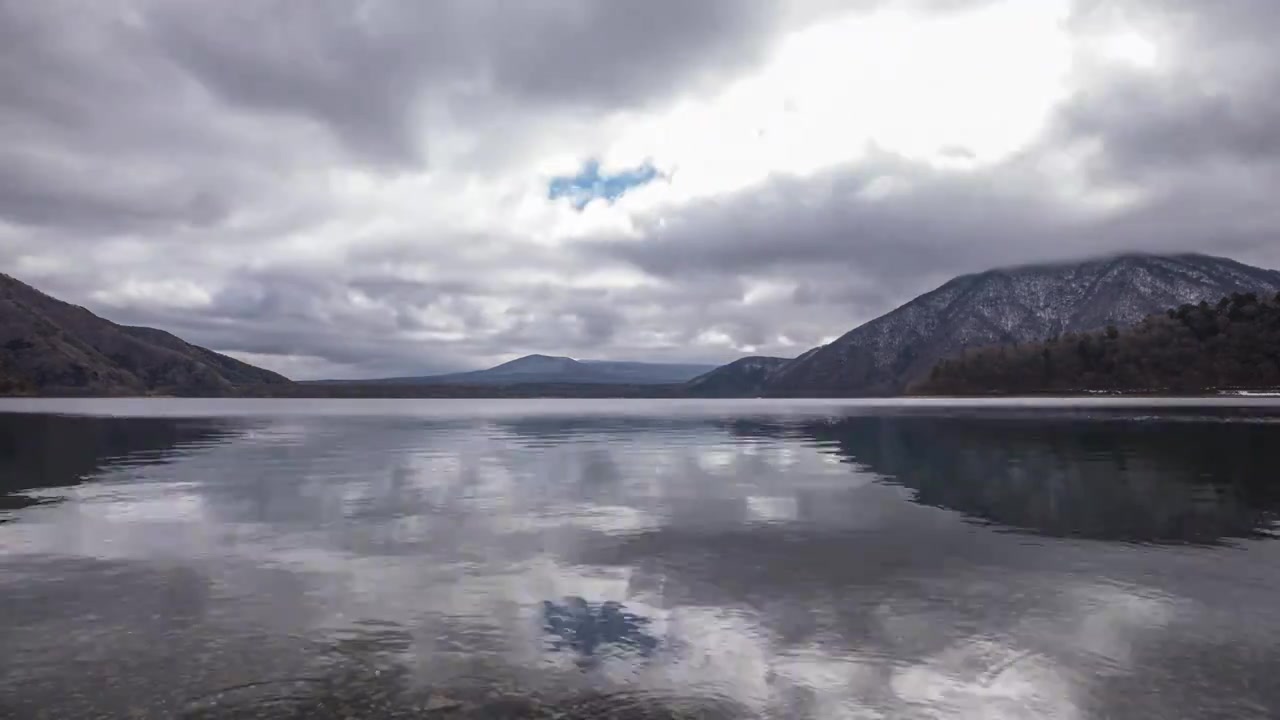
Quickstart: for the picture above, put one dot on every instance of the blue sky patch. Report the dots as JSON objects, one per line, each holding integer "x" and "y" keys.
{"x": 588, "y": 184}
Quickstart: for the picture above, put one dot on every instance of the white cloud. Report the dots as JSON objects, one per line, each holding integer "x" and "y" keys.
{"x": 173, "y": 293}
{"x": 387, "y": 210}
{"x": 965, "y": 88}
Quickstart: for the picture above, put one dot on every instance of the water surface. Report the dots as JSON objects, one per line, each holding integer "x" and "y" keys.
{"x": 639, "y": 559}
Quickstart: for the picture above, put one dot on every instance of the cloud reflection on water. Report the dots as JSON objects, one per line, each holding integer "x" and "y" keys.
{"x": 764, "y": 572}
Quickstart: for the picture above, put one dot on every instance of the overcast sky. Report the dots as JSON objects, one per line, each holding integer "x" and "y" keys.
{"x": 344, "y": 188}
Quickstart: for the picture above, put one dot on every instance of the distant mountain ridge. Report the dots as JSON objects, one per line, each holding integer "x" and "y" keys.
{"x": 1010, "y": 305}
{"x": 556, "y": 369}
{"x": 748, "y": 376}
{"x": 51, "y": 347}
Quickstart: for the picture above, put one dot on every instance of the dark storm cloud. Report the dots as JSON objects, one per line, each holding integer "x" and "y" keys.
{"x": 366, "y": 71}
{"x": 36, "y": 192}
{"x": 838, "y": 219}
{"x": 1200, "y": 138}
{"x": 123, "y": 113}
{"x": 1217, "y": 105}
{"x": 82, "y": 123}
{"x": 1148, "y": 128}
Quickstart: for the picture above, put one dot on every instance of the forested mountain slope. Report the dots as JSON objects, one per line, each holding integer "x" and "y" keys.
{"x": 1234, "y": 343}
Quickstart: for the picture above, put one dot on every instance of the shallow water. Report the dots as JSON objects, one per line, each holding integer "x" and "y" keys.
{"x": 639, "y": 559}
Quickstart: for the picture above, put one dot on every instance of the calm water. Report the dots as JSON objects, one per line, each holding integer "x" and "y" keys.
{"x": 639, "y": 559}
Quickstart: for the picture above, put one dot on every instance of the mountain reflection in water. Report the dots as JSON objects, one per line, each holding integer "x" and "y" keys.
{"x": 1104, "y": 478}
{"x": 642, "y": 560}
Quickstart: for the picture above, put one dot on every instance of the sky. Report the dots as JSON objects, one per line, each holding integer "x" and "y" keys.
{"x": 365, "y": 188}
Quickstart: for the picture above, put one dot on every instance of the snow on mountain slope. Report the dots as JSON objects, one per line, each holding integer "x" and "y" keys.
{"x": 1019, "y": 304}
{"x": 744, "y": 377}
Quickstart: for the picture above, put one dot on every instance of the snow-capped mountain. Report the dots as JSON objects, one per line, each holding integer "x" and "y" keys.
{"x": 1019, "y": 304}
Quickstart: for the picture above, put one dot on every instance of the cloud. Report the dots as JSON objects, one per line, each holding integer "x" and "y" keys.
{"x": 374, "y": 75}
{"x": 391, "y": 187}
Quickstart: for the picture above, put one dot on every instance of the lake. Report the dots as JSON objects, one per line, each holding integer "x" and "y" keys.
{"x": 639, "y": 559}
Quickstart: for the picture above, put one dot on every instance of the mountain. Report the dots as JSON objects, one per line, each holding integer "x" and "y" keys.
{"x": 1232, "y": 344}
{"x": 552, "y": 369}
{"x": 642, "y": 373}
{"x": 50, "y": 347}
{"x": 745, "y": 377}
{"x": 1010, "y": 305}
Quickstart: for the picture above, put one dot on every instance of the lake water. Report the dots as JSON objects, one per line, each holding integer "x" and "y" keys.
{"x": 639, "y": 559}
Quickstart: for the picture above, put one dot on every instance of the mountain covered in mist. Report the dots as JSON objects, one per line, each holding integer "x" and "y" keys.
{"x": 1009, "y": 305}
{"x": 49, "y": 347}
{"x": 544, "y": 369}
